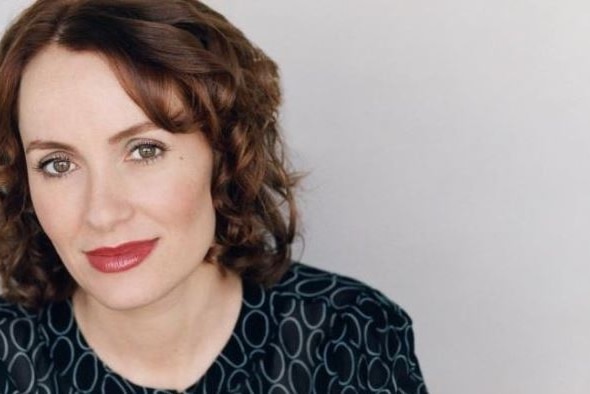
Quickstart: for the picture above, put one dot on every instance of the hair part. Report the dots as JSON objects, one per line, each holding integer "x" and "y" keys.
{"x": 230, "y": 92}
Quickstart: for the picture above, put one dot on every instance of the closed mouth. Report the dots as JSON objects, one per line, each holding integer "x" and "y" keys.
{"x": 122, "y": 257}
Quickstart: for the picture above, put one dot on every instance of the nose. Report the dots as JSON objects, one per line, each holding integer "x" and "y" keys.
{"x": 107, "y": 201}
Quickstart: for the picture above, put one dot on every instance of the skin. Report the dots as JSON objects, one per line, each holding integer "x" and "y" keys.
{"x": 93, "y": 187}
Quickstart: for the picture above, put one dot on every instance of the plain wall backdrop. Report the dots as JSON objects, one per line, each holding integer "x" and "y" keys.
{"x": 448, "y": 145}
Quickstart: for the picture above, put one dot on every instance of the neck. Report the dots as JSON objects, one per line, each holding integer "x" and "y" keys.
{"x": 147, "y": 345}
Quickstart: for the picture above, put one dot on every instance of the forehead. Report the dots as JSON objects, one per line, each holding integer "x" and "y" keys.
{"x": 63, "y": 92}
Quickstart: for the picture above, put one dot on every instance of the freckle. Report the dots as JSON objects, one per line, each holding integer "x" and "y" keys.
{"x": 181, "y": 157}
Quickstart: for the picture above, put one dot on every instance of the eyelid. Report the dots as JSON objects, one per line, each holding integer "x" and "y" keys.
{"x": 52, "y": 157}
{"x": 134, "y": 143}
{"x": 139, "y": 142}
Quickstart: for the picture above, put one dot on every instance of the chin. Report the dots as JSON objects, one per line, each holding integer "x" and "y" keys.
{"x": 123, "y": 298}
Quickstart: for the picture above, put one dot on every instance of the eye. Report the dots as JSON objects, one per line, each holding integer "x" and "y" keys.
{"x": 56, "y": 167}
{"x": 146, "y": 151}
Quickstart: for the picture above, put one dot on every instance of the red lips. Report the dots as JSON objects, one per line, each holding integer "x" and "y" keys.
{"x": 120, "y": 258}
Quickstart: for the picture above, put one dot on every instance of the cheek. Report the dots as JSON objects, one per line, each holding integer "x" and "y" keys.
{"x": 56, "y": 209}
{"x": 183, "y": 202}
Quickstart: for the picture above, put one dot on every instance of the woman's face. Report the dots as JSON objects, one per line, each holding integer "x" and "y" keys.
{"x": 127, "y": 205}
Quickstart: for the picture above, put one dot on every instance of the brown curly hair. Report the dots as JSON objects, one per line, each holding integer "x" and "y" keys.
{"x": 230, "y": 91}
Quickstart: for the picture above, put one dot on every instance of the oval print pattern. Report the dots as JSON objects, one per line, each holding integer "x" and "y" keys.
{"x": 314, "y": 332}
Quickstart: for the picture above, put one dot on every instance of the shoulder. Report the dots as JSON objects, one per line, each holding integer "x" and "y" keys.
{"x": 22, "y": 348}
{"x": 9, "y": 310}
{"x": 341, "y": 295}
{"x": 17, "y": 328}
{"x": 356, "y": 336}
{"x": 17, "y": 325}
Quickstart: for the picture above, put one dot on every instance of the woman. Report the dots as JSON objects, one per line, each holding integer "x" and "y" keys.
{"x": 147, "y": 215}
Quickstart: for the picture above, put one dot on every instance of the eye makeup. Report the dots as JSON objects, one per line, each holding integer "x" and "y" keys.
{"x": 56, "y": 165}
{"x": 146, "y": 151}
{"x": 140, "y": 151}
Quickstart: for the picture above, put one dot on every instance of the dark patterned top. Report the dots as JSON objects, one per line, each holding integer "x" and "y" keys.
{"x": 314, "y": 332}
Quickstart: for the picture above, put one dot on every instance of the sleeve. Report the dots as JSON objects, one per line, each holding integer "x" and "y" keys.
{"x": 375, "y": 337}
{"x": 6, "y": 385}
{"x": 405, "y": 368}
{"x": 18, "y": 345}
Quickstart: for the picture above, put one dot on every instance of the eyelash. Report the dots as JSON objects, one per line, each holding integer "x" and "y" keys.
{"x": 136, "y": 145}
{"x": 45, "y": 162}
{"x": 149, "y": 144}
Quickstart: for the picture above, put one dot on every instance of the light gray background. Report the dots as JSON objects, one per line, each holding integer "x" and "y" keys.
{"x": 448, "y": 144}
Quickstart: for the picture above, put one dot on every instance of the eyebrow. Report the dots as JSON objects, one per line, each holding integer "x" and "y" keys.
{"x": 121, "y": 135}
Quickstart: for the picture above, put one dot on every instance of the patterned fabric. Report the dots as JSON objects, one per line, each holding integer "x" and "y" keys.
{"x": 314, "y": 332}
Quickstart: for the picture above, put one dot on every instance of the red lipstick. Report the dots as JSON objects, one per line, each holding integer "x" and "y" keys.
{"x": 120, "y": 258}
